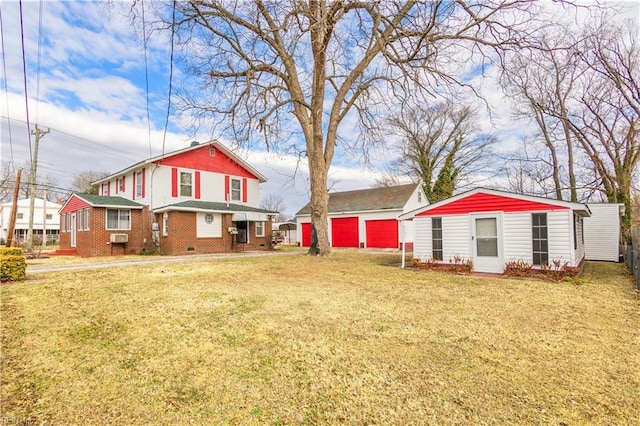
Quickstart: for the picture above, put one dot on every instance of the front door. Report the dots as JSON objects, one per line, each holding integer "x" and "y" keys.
{"x": 73, "y": 229}
{"x": 487, "y": 243}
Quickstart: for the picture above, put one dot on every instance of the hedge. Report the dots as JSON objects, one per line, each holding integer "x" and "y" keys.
{"x": 13, "y": 265}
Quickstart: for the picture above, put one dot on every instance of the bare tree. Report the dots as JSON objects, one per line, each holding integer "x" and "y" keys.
{"x": 295, "y": 71}
{"x": 439, "y": 146}
{"x": 275, "y": 203}
{"x": 541, "y": 82}
{"x": 81, "y": 182}
{"x": 46, "y": 186}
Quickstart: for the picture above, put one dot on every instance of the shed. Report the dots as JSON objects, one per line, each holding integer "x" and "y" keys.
{"x": 602, "y": 232}
{"x": 492, "y": 227}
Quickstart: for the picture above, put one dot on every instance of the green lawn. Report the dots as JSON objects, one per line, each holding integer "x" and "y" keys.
{"x": 349, "y": 339}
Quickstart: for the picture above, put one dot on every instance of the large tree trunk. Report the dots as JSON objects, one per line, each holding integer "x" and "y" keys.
{"x": 319, "y": 206}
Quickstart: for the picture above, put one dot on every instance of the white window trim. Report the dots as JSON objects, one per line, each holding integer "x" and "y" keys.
{"x": 262, "y": 227}
{"x": 191, "y": 189}
{"x": 119, "y": 228}
{"x": 239, "y": 190}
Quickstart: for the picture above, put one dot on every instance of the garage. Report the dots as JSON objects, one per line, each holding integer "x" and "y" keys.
{"x": 382, "y": 233}
{"x": 306, "y": 234}
{"x": 344, "y": 232}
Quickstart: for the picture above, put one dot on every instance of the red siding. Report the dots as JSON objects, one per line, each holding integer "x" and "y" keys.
{"x": 344, "y": 232}
{"x": 143, "y": 182}
{"x": 74, "y": 204}
{"x": 174, "y": 182}
{"x": 306, "y": 234}
{"x": 382, "y": 233}
{"x": 200, "y": 159}
{"x": 244, "y": 190}
{"x": 479, "y": 202}
{"x": 197, "y": 185}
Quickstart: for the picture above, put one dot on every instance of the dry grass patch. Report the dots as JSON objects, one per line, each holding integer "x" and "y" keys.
{"x": 299, "y": 340}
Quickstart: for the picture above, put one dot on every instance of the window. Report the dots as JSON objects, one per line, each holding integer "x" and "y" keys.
{"x": 212, "y": 151}
{"x": 80, "y": 220}
{"x": 48, "y": 216}
{"x": 86, "y": 219}
{"x": 118, "y": 219}
{"x": 165, "y": 224}
{"x": 259, "y": 229}
{"x": 540, "y": 240}
{"x": 487, "y": 237}
{"x": 63, "y": 223}
{"x": 121, "y": 184}
{"x": 235, "y": 190}
{"x": 436, "y": 237}
{"x": 20, "y": 216}
{"x": 139, "y": 184}
{"x": 185, "y": 184}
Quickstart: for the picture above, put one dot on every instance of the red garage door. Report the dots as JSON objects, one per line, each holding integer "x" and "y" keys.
{"x": 306, "y": 234}
{"x": 382, "y": 233}
{"x": 344, "y": 232}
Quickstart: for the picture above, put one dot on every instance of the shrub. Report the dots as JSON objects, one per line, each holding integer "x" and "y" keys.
{"x": 460, "y": 265}
{"x": 518, "y": 268}
{"x": 429, "y": 263}
{"x": 13, "y": 266}
{"x": 558, "y": 271}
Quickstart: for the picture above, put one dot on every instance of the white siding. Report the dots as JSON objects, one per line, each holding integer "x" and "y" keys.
{"x": 422, "y": 249}
{"x": 560, "y": 232}
{"x": 208, "y": 230}
{"x": 517, "y": 237}
{"x": 456, "y": 237}
{"x": 417, "y": 200}
{"x": 602, "y": 232}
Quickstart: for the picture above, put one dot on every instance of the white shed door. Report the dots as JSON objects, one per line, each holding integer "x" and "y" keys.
{"x": 487, "y": 243}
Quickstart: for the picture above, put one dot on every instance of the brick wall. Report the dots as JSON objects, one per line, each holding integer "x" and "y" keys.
{"x": 96, "y": 240}
{"x": 181, "y": 238}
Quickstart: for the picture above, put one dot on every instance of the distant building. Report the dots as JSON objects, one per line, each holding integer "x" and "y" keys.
{"x": 45, "y": 217}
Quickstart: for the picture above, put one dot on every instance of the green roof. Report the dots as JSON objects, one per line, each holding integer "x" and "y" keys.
{"x": 213, "y": 206}
{"x": 103, "y": 201}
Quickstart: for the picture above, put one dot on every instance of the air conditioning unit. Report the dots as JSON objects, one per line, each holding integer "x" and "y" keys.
{"x": 119, "y": 238}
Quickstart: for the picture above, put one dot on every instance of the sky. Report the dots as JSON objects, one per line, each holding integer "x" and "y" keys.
{"x": 86, "y": 84}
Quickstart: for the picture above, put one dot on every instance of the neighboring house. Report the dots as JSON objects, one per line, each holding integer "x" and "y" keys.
{"x": 602, "y": 232}
{"x": 366, "y": 218}
{"x": 201, "y": 199}
{"x": 45, "y": 219}
{"x": 493, "y": 227}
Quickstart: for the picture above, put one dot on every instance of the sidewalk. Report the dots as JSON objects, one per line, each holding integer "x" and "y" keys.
{"x": 138, "y": 260}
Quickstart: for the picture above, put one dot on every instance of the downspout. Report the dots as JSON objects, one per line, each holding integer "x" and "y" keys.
{"x": 402, "y": 241}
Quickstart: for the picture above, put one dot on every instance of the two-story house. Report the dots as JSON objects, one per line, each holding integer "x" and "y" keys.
{"x": 200, "y": 199}
{"x": 45, "y": 220}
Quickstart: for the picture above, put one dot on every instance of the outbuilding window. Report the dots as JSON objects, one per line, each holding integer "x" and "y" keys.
{"x": 436, "y": 237}
{"x": 540, "y": 239}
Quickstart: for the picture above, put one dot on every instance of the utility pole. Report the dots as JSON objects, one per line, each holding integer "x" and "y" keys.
{"x": 32, "y": 191}
{"x": 11, "y": 241}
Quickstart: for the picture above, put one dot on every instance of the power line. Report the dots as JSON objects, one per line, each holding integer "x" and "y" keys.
{"x": 24, "y": 74}
{"x": 6, "y": 82}
{"x": 173, "y": 32}
{"x": 39, "y": 56}
{"x": 146, "y": 74}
